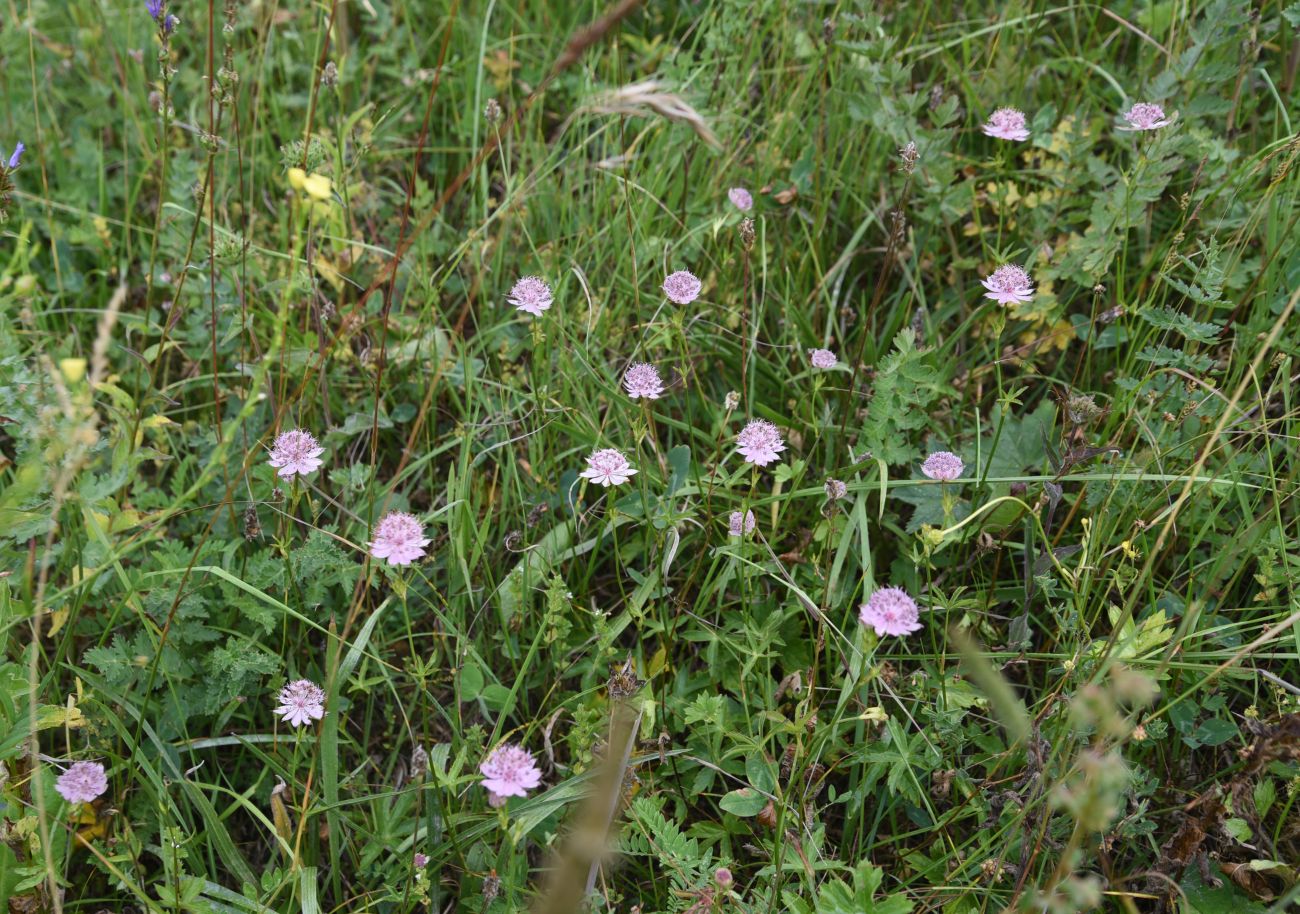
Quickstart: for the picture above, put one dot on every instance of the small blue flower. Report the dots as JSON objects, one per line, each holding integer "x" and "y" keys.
{"x": 16, "y": 157}
{"x": 169, "y": 24}
{"x": 154, "y": 7}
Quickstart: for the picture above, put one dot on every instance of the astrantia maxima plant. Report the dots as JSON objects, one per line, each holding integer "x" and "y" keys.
{"x": 531, "y": 295}
{"x": 742, "y": 199}
{"x": 642, "y": 380}
{"x": 301, "y": 702}
{"x": 822, "y": 359}
{"x": 944, "y": 466}
{"x": 890, "y": 611}
{"x": 760, "y": 442}
{"x": 399, "y": 538}
{"x": 608, "y": 467}
{"x": 741, "y": 523}
{"x": 82, "y": 782}
{"x": 295, "y": 453}
{"x": 1006, "y": 124}
{"x": 1145, "y": 116}
{"x": 682, "y": 287}
{"x": 835, "y": 489}
{"x": 1008, "y": 284}
{"x": 509, "y": 771}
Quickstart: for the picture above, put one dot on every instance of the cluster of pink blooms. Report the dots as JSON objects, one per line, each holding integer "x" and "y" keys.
{"x": 301, "y": 702}
{"x": 531, "y": 295}
{"x": 608, "y": 467}
{"x": 741, "y": 523}
{"x": 822, "y": 359}
{"x": 682, "y": 287}
{"x": 509, "y": 771}
{"x": 742, "y": 199}
{"x": 82, "y": 782}
{"x": 1009, "y": 284}
{"x": 642, "y": 380}
{"x": 760, "y": 442}
{"x": 890, "y": 611}
{"x": 1007, "y": 124}
{"x": 295, "y": 453}
{"x": 944, "y": 466}
{"x": 399, "y": 537}
{"x": 1145, "y": 116}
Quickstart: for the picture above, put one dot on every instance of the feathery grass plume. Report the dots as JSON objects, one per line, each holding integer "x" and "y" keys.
{"x": 652, "y": 97}
{"x": 1144, "y": 116}
{"x": 82, "y": 782}
{"x": 531, "y": 295}
{"x": 890, "y": 611}
{"x": 642, "y": 380}
{"x": 509, "y": 771}
{"x": 301, "y": 702}
{"x": 1006, "y": 124}
{"x": 682, "y": 287}
{"x": 943, "y": 465}
{"x": 1008, "y": 284}
{"x": 742, "y": 199}
{"x": 760, "y": 442}
{"x": 399, "y": 538}
{"x": 295, "y": 452}
{"x": 608, "y": 467}
{"x": 822, "y": 359}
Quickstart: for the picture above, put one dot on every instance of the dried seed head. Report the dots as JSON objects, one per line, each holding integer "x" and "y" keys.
{"x": 747, "y": 233}
{"x": 492, "y": 112}
{"x": 909, "y": 156}
{"x": 329, "y": 77}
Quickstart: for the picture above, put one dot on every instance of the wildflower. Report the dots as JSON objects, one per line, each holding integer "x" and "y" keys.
{"x": 314, "y": 185}
{"x": 169, "y": 24}
{"x": 509, "y": 771}
{"x": 82, "y": 782}
{"x": 399, "y": 537}
{"x": 742, "y": 199}
{"x": 835, "y": 489}
{"x": 1006, "y": 124}
{"x": 420, "y": 860}
{"x": 1145, "y": 116}
{"x": 530, "y": 294}
{"x": 295, "y": 452}
{"x": 760, "y": 442}
{"x": 722, "y": 876}
{"x": 642, "y": 380}
{"x": 822, "y": 358}
{"x": 943, "y": 465}
{"x": 1008, "y": 284}
{"x": 682, "y": 287}
{"x": 741, "y": 523}
{"x": 301, "y": 702}
{"x": 890, "y": 611}
{"x": 154, "y": 8}
{"x": 16, "y": 158}
{"x": 608, "y": 467}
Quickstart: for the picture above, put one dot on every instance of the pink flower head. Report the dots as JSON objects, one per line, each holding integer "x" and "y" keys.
{"x": 509, "y": 771}
{"x": 399, "y": 537}
{"x": 82, "y": 782}
{"x": 301, "y": 702}
{"x": 836, "y": 489}
{"x": 642, "y": 380}
{"x": 682, "y": 287}
{"x": 741, "y": 523}
{"x": 420, "y": 860}
{"x": 742, "y": 199}
{"x": 295, "y": 452}
{"x": 1006, "y": 124}
{"x": 1145, "y": 116}
{"x": 943, "y": 465}
{"x": 760, "y": 442}
{"x": 608, "y": 467}
{"x": 530, "y": 294}
{"x": 1008, "y": 284}
{"x": 822, "y": 358}
{"x": 890, "y": 611}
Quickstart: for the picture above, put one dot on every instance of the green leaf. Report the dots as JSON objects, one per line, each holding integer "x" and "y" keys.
{"x": 744, "y": 802}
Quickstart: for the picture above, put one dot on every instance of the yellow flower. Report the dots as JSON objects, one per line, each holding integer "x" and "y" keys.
{"x": 297, "y": 178}
{"x": 317, "y": 186}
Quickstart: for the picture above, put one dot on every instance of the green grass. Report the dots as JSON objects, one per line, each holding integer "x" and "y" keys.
{"x": 1100, "y": 708}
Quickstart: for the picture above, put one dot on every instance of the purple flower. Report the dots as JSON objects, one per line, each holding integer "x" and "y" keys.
{"x": 890, "y": 611}
{"x": 1008, "y": 284}
{"x": 943, "y": 465}
{"x": 421, "y": 860}
{"x": 682, "y": 287}
{"x": 642, "y": 380}
{"x": 741, "y": 523}
{"x": 154, "y": 8}
{"x": 1145, "y": 116}
{"x": 760, "y": 442}
{"x": 399, "y": 537}
{"x": 823, "y": 359}
{"x": 742, "y": 199}
{"x": 608, "y": 467}
{"x": 169, "y": 24}
{"x": 509, "y": 771}
{"x": 16, "y": 158}
{"x": 301, "y": 702}
{"x": 295, "y": 452}
{"x": 835, "y": 489}
{"x": 1006, "y": 124}
{"x": 82, "y": 782}
{"x": 530, "y": 294}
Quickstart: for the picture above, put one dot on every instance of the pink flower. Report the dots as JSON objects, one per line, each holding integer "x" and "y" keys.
{"x": 301, "y": 702}
{"x": 420, "y": 860}
{"x": 1145, "y": 116}
{"x": 82, "y": 782}
{"x": 741, "y": 523}
{"x": 822, "y": 358}
{"x": 399, "y": 537}
{"x": 760, "y": 442}
{"x": 530, "y": 294}
{"x": 943, "y": 465}
{"x": 682, "y": 287}
{"x": 1006, "y": 124}
{"x": 1008, "y": 284}
{"x": 741, "y": 198}
{"x": 835, "y": 489}
{"x": 642, "y": 380}
{"x": 890, "y": 611}
{"x": 295, "y": 452}
{"x": 509, "y": 771}
{"x": 608, "y": 467}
